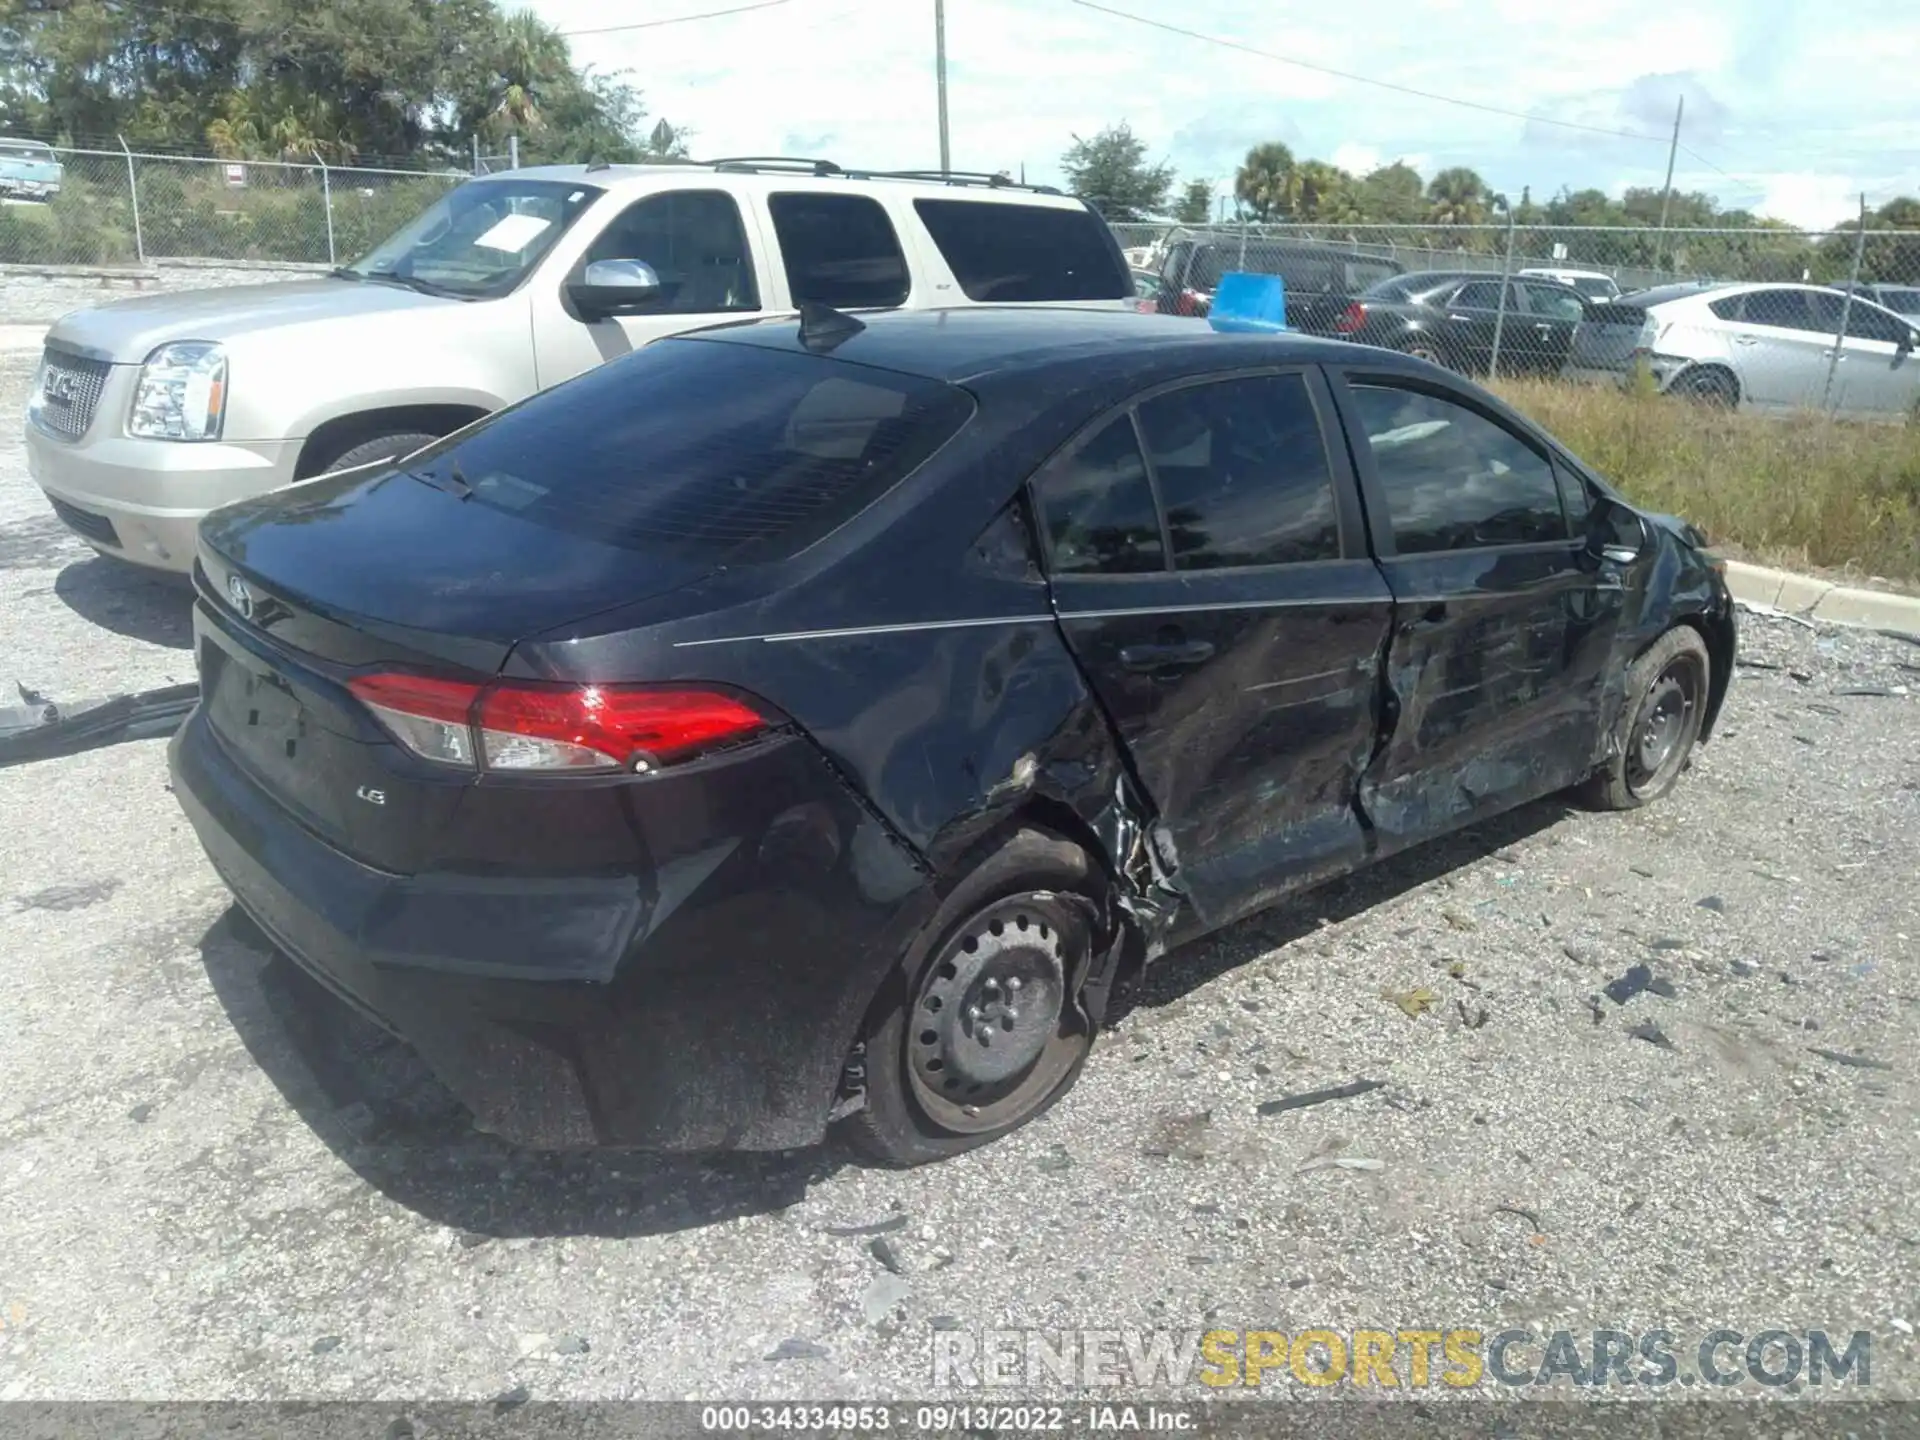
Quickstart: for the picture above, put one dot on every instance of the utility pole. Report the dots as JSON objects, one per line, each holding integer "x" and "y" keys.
{"x": 1666, "y": 197}
{"x": 940, "y": 77}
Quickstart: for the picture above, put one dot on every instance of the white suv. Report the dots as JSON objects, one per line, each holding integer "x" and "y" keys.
{"x": 149, "y": 413}
{"x": 1765, "y": 347}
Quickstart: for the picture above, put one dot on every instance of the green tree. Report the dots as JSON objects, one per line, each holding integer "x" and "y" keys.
{"x": 1458, "y": 196}
{"x": 1266, "y": 182}
{"x": 1393, "y": 194}
{"x": 1325, "y": 193}
{"x": 1195, "y": 206}
{"x": 1111, "y": 172}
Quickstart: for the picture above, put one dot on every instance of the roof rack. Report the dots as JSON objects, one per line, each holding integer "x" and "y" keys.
{"x": 754, "y": 163}
{"x": 1000, "y": 181}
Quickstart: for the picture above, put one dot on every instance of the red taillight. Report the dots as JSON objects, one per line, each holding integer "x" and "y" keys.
{"x": 1351, "y": 319}
{"x": 554, "y": 728}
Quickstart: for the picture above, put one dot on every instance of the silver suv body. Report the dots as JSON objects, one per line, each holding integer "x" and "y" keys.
{"x": 1762, "y": 347}
{"x": 149, "y": 413}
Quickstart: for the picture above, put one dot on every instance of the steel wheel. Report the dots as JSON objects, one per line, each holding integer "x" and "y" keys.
{"x": 1669, "y": 718}
{"x": 992, "y": 1032}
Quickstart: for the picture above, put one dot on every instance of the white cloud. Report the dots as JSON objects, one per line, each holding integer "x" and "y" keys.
{"x": 1792, "y": 133}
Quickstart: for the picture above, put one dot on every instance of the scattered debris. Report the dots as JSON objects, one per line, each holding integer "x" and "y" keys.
{"x": 1473, "y": 1021}
{"x": 1415, "y": 1002}
{"x": 1459, "y": 921}
{"x": 1755, "y": 665}
{"x": 1054, "y": 1162}
{"x": 878, "y": 1227}
{"x": 944, "y": 1323}
{"x": 571, "y": 1345}
{"x": 794, "y": 1348}
{"x": 139, "y": 1113}
{"x": 1524, "y": 1213}
{"x": 1651, "y": 1033}
{"x": 882, "y": 1296}
{"x": 1318, "y": 1097}
{"x": 1595, "y": 1009}
{"x": 1641, "y": 871}
{"x": 1713, "y": 903}
{"x": 511, "y": 1400}
{"x": 1457, "y": 969}
{"x": 1858, "y": 1062}
{"x": 882, "y": 1250}
{"x": 1877, "y": 692}
{"x": 1666, "y": 944}
{"x": 326, "y": 1344}
{"x": 69, "y": 897}
{"x": 41, "y": 728}
{"x": 1342, "y": 1162}
{"x": 1623, "y": 989}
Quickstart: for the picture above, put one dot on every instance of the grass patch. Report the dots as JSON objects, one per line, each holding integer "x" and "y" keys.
{"x": 1803, "y": 492}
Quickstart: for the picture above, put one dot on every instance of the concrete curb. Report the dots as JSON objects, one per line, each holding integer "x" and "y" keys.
{"x": 1813, "y": 599}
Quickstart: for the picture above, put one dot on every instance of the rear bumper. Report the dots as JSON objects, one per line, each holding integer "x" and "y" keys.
{"x": 726, "y": 991}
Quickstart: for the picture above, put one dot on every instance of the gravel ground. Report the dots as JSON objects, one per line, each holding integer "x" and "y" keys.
{"x": 215, "y": 1184}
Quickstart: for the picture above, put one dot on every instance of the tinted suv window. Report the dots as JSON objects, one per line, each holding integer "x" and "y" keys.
{"x": 840, "y": 250}
{"x": 694, "y": 242}
{"x": 1455, "y": 480}
{"x": 1098, "y": 508}
{"x": 725, "y": 451}
{"x": 1242, "y": 471}
{"x": 1018, "y": 254}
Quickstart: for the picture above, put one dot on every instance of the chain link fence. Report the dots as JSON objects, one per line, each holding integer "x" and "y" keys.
{"x": 1589, "y": 303}
{"x": 104, "y": 207}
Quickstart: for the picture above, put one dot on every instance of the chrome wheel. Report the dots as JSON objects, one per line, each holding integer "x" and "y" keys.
{"x": 1669, "y": 715}
{"x": 991, "y": 1032}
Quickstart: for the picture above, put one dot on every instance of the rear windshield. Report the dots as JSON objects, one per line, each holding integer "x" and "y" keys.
{"x": 728, "y": 452}
{"x": 1026, "y": 254}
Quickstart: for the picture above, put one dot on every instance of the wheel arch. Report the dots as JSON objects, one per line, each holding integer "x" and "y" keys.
{"x": 1718, "y": 370}
{"x": 333, "y": 438}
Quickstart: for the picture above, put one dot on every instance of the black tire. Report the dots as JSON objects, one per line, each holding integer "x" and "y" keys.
{"x": 379, "y": 447}
{"x": 1022, "y": 921}
{"x": 1713, "y": 388}
{"x": 1666, "y": 700}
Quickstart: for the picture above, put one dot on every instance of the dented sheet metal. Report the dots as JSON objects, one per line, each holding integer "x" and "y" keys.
{"x": 40, "y": 729}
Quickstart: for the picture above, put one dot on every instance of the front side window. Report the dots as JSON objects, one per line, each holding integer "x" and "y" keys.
{"x": 1454, "y": 479}
{"x": 694, "y": 242}
{"x": 1552, "y": 303}
{"x": 479, "y": 240}
{"x": 1007, "y": 253}
{"x": 1097, "y": 507}
{"x": 1480, "y": 295}
{"x": 1243, "y": 473}
{"x": 840, "y": 250}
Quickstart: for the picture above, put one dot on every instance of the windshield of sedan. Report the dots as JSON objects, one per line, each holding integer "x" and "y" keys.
{"x": 479, "y": 240}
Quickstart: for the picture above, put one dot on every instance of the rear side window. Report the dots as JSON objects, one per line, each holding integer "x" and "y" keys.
{"x": 1097, "y": 507}
{"x": 1243, "y": 474}
{"x": 725, "y": 451}
{"x": 1782, "y": 309}
{"x": 1728, "y": 308}
{"x": 1025, "y": 254}
{"x": 1455, "y": 480}
{"x": 840, "y": 250}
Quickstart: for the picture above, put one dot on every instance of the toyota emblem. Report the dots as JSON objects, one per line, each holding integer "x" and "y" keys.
{"x": 241, "y": 596}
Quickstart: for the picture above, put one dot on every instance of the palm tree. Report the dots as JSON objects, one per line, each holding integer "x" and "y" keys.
{"x": 1267, "y": 182}
{"x": 1325, "y": 192}
{"x": 529, "y": 55}
{"x": 1457, "y": 196}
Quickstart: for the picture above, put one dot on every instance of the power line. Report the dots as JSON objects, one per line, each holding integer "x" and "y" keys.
{"x": 1362, "y": 79}
{"x": 678, "y": 19}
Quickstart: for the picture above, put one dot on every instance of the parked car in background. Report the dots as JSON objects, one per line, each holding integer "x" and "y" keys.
{"x": 1152, "y": 291}
{"x": 149, "y": 413}
{"x": 28, "y": 170}
{"x": 804, "y": 721}
{"x": 1314, "y": 276}
{"x": 1901, "y": 299}
{"x": 1762, "y": 347}
{"x": 1449, "y": 317}
{"x": 1594, "y": 285}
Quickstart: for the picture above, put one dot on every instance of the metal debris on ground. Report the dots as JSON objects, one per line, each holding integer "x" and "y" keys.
{"x": 878, "y": 1227}
{"x": 882, "y": 1250}
{"x": 1858, "y": 1062}
{"x": 41, "y": 728}
{"x": 1651, "y": 1033}
{"x": 1319, "y": 1097}
{"x": 1341, "y": 1162}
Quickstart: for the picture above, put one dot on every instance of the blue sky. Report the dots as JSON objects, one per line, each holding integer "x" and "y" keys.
{"x": 1793, "y": 107}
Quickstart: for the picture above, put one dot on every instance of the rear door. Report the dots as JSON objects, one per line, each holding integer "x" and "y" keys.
{"x": 1209, "y": 569}
{"x": 1780, "y": 351}
{"x": 1470, "y": 314}
{"x": 1548, "y": 316}
{"x": 1503, "y": 625}
{"x": 1876, "y": 374}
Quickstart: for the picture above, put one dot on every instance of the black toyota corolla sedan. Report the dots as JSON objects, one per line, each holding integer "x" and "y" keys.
{"x": 809, "y": 722}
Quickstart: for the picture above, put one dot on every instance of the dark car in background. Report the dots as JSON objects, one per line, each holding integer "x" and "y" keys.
{"x": 794, "y": 723}
{"x": 1450, "y": 318}
{"x": 1317, "y": 278}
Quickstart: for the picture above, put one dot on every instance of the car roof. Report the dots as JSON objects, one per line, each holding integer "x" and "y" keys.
{"x": 961, "y": 345}
{"x": 764, "y": 176}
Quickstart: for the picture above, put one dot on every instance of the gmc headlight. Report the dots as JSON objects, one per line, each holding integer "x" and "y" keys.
{"x": 182, "y": 393}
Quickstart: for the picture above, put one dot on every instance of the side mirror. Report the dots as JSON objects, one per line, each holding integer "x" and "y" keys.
{"x": 613, "y": 287}
{"x": 1616, "y": 533}
{"x": 1908, "y": 342}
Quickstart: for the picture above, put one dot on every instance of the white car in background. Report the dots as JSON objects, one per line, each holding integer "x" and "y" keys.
{"x": 1760, "y": 347}
{"x": 1594, "y": 285}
